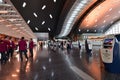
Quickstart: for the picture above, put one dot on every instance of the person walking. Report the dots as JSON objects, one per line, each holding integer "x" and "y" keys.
{"x": 2, "y": 51}
{"x": 7, "y": 44}
{"x": 23, "y": 48}
{"x": 11, "y": 47}
{"x": 31, "y": 45}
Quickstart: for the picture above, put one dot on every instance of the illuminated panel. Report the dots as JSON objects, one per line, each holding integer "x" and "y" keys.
{"x": 42, "y": 36}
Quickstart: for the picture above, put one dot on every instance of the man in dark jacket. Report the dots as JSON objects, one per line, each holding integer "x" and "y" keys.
{"x": 23, "y": 48}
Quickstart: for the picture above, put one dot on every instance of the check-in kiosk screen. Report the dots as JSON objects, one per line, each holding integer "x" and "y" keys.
{"x": 108, "y": 43}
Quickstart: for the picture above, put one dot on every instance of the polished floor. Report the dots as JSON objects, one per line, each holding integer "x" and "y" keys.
{"x": 57, "y": 64}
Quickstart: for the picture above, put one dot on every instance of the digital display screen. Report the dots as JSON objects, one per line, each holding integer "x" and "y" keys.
{"x": 107, "y": 43}
{"x": 108, "y": 40}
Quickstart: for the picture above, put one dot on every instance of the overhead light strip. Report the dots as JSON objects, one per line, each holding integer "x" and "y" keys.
{"x": 35, "y": 14}
{"x": 24, "y": 4}
{"x": 43, "y": 7}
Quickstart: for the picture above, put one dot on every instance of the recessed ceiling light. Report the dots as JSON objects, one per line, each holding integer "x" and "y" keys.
{"x": 86, "y": 20}
{"x": 14, "y": 28}
{"x": 111, "y": 22}
{"x": 43, "y": 22}
{"x": 104, "y": 21}
{"x": 36, "y": 28}
{"x": 18, "y": 24}
{"x": 24, "y": 4}
{"x": 51, "y": 16}
{"x": 79, "y": 30}
{"x": 114, "y": 17}
{"x": 21, "y": 32}
{"x": 96, "y": 20}
{"x": 49, "y": 29}
{"x": 28, "y": 21}
{"x": 3, "y": 12}
{"x": 118, "y": 11}
{"x": 22, "y": 27}
{"x": 18, "y": 30}
{"x": 99, "y": 6}
{"x": 110, "y": 9}
{"x": 87, "y": 25}
{"x": 2, "y": 20}
{"x": 54, "y": 0}
{"x": 35, "y": 14}
{"x": 96, "y": 25}
{"x": 103, "y": 26}
{"x": 8, "y": 25}
{"x": 44, "y": 6}
{"x": 12, "y": 20}
{"x": 107, "y": 15}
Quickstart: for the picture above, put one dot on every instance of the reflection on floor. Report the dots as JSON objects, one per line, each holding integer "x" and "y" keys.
{"x": 60, "y": 64}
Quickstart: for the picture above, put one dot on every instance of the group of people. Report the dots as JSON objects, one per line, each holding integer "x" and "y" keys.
{"x": 60, "y": 44}
{"x": 7, "y": 47}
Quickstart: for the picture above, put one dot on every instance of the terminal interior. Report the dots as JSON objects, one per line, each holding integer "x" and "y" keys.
{"x": 73, "y": 39}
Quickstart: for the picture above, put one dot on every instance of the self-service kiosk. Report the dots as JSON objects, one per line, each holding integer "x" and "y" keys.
{"x": 110, "y": 54}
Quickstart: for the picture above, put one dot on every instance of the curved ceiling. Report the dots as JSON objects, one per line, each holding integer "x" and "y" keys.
{"x": 75, "y": 13}
{"x": 50, "y": 16}
{"x": 101, "y": 17}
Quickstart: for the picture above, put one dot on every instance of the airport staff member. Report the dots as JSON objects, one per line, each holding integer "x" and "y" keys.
{"x": 2, "y": 51}
{"x": 23, "y": 48}
{"x": 31, "y": 45}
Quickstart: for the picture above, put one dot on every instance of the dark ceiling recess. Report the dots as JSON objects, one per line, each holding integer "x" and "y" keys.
{"x": 75, "y": 29}
{"x": 41, "y": 15}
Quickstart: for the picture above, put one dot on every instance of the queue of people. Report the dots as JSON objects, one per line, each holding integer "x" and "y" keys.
{"x": 7, "y": 47}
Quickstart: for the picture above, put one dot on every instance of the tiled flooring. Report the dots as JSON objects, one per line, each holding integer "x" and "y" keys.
{"x": 56, "y": 65}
